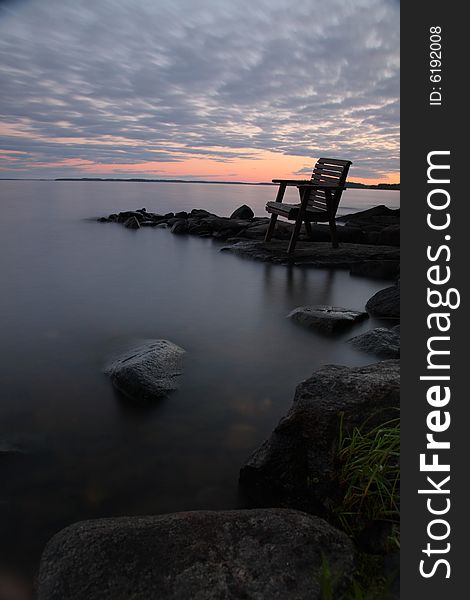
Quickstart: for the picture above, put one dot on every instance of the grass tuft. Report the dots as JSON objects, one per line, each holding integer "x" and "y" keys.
{"x": 370, "y": 477}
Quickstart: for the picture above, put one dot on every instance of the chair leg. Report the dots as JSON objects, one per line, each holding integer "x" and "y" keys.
{"x": 295, "y": 235}
{"x": 270, "y": 230}
{"x": 272, "y": 223}
{"x": 333, "y": 233}
{"x": 308, "y": 229}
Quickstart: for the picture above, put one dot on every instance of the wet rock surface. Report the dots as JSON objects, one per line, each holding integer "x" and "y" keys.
{"x": 296, "y": 465}
{"x": 315, "y": 254}
{"x": 385, "y": 303}
{"x": 380, "y": 341}
{"x": 326, "y": 319}
{"x": 148, "y": 371}
{"x": 204, "y": 555}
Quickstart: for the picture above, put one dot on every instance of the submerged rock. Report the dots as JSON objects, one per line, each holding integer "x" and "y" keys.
{"x": 147, "y": 371}
{"x": 243, "y": 212}
{"x": 379, "y": 341}
{"x": 326, "y": 319}
{"x": 385, "y": 303}
{"x": 204, "y": 555}
{"x": 297, "y": 465}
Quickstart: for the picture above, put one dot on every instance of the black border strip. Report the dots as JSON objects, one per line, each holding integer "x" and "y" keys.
{"x": 426, "y": 128}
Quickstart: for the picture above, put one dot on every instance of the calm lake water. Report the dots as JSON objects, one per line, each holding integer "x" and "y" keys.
{"x": 75, "y": 292}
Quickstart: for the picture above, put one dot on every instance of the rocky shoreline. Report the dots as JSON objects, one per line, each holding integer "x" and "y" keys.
{"x": 369, "y": 239}
{"x": 289, "y": 534}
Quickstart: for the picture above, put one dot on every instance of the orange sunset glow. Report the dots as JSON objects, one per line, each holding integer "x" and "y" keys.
{"x": 236, "y": 102}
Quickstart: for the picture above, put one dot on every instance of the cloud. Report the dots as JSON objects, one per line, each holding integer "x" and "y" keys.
{"x": 119, "y": 82}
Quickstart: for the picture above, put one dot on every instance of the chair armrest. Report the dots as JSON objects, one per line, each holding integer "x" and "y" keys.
{"x": 291, "y": 181}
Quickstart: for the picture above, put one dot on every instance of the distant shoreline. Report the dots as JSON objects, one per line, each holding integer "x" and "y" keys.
{"x": 352, "y": 184}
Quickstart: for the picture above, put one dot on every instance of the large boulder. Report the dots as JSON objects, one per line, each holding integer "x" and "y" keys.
{"x": 377, "y": 214}
{"x": 297, "y": 466}
{"x": 380, "y": 341}
{"x": 380, "y": 225}
{"x": 385, "y": 303}
{"x": 326, "y": 319}
{"x": 147, "y": 371}
{"x": 256, "y": 554}
{"x": 242, "y": 212}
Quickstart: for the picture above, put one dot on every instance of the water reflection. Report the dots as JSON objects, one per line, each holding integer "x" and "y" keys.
{"x": 295, "y": 284}
{"x": 77, "y": 292}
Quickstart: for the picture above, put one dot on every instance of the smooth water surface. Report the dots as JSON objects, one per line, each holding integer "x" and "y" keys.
{"x": 75, "y": 292}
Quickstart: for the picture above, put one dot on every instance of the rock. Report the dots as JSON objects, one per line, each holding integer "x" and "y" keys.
{"x": 200, "y": 229}
{"x": 257, "y": 232}
{"x": 221, "y": 235}
{"x": 385, "y": 303}
{"x": 242, "y": 212}
{"x": 377, "y": 269}
{"x": 326, "y": 319}
{"x": 103, "y": 220}
{"x": 180, "y": 226}
{"x": 297, "y": 465}
{"x": 379, "y": 341}
{"x": 200, "y": 212}
{"x": 369, "y": 214}
{"x": 169, "y": 215}
{"x": 153, "y": 216}
{"x": 390, "y": 236}
{"x": 124, "y": 216}
{"x": 182, "y": 214}
{"x": 132, "y": 223}
{"x": 147, "y": 371}
{"x": 380, "y": 225}
{"x": 318, "y": 254}
{"x": 204, "y": 555}
{"x": 351, "y": 235}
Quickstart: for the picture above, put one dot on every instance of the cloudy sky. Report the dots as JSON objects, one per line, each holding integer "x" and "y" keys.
{"x": 203, "y": 89}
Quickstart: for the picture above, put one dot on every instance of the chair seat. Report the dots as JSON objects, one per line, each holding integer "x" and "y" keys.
{"x": 291, "y": 211}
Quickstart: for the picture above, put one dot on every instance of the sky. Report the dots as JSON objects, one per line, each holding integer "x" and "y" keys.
{"x": 222, "y": 90}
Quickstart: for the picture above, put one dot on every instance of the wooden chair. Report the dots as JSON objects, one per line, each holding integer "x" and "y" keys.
{"x": 319, "y": 200}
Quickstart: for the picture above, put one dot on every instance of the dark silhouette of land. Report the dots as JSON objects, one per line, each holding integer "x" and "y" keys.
{"x": 350, "y": 184}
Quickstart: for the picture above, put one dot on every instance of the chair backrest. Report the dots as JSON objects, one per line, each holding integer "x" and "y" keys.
{"x": 328, "y": 171}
